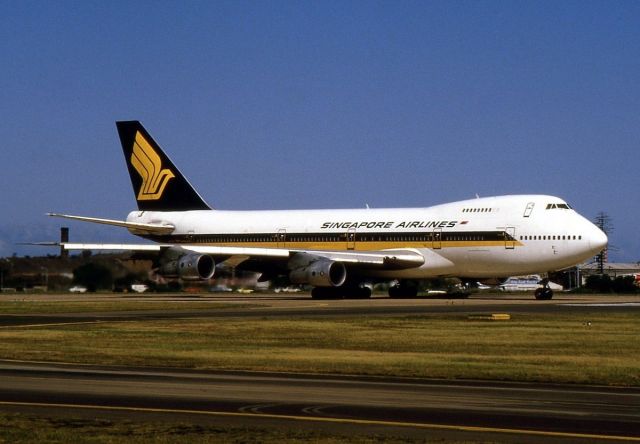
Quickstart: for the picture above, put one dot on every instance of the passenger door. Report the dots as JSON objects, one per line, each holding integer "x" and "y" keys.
{"x": 281, "y": 238}
{"x": 510, "y": 238}
{"x": 351, "y": 239}
{"x": 437, "y": 238}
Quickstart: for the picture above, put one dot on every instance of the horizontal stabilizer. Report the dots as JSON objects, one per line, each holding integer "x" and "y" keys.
{"x": 136, "y": 228}
{"x": 111, "y": 247}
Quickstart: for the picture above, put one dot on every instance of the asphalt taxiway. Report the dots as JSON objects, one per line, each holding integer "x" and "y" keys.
{"x": 505, "y": 411}
{"x": 460, "y": 410}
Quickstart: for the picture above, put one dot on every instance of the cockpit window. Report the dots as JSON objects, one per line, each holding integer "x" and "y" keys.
{"x": 553, "y": 206}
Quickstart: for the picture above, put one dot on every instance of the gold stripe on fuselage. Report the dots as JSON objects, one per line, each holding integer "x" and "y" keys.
{"x": 360, "y": 245}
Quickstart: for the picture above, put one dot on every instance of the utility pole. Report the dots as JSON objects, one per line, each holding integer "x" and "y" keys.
{"x": 64, "y": 237}
{"x": 603, "y": 221}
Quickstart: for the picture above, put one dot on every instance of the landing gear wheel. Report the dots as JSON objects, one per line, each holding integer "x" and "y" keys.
{"x": 543, "y": 294}
{"x": 358, "y": 293}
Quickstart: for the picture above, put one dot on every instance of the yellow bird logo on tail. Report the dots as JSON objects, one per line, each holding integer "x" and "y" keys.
{"x": 149, "y": 165}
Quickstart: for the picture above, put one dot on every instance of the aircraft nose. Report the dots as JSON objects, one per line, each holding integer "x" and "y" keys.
{"x": 597, "y": 239}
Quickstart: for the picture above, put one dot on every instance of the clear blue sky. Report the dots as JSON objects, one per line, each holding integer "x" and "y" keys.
{"x": 269, "y": 105}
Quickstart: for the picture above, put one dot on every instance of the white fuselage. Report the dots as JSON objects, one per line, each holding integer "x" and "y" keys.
{"x": 486, "y": 237}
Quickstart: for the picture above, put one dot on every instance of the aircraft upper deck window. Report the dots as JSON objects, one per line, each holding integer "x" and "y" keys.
{"x": 477, "y": 210}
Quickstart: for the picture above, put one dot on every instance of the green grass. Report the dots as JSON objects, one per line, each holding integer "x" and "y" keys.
{"x": 39, "y": 306}
{"x": 31, "y": 428}
{"x": 543, "y": 348}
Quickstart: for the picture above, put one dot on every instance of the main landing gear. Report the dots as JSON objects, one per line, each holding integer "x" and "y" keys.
{"x": 403, "y": 290}
{"x": 342, "y": 292}
{"x": 545, "y": 292}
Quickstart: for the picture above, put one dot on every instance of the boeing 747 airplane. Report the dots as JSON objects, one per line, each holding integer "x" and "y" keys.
{"x": 337, "y": 251}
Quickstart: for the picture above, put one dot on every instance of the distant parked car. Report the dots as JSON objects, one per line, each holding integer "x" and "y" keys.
{"x": 78, "y": 289}
{"x": 139, "y": 288}
{"x": 287, "y": 290}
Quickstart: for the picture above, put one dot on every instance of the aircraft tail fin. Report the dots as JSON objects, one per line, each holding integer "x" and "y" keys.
{"x": 157, "y": 184}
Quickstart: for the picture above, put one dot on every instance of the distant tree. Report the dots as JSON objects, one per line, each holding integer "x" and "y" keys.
{"x": 624, "y": 284}
{"x": 124, "y": 283}
{"x": 604, "y": 284}
{"x": 93, "y": 276}
{"x": 599, "y": 282}
{"x": 4, "y": 274}
{"x": 171, "y": 286}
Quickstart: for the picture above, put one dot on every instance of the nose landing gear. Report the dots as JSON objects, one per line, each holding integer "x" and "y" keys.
{"x": 545, "y": 292}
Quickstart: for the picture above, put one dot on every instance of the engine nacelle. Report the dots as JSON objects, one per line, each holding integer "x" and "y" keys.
{"x": 189, "y": 267}
{"x": 320, "y": 273}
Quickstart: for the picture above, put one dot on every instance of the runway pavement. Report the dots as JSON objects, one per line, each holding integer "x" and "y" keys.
{"x": 505, "y": 411}
{"x": 271, "y": 305}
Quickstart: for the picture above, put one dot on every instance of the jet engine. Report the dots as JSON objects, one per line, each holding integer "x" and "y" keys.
{"x": 319, "y": 273}
{"x": 187, "y": 266}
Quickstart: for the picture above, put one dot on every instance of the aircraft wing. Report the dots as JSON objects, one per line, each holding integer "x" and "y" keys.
{"x": 387, "y": 259}
{"x": 235, "y": 256}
